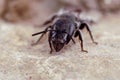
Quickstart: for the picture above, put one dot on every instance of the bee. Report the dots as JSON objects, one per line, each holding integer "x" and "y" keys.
{"x": 63, "y": 27}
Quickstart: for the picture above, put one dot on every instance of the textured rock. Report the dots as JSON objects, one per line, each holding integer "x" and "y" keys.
{"x": 21, "y": 61}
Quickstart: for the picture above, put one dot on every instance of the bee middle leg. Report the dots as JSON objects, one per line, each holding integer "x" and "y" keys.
{"x": 78, "y": 34}
{"x": 88, "y": 29}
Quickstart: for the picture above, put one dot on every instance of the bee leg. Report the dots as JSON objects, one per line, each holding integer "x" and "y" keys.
{"x": 50, "y": 20}
{"x": 43, "y": 33}
{"x": 50, "y": 44}
{"x": 78, "y": 33}
{"x": 73, "y": 41}
{"x": 39, "y": 39}
{"x": 88, "y": 29}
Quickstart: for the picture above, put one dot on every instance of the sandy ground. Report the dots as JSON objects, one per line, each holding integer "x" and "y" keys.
{"x": 21, "y": 61}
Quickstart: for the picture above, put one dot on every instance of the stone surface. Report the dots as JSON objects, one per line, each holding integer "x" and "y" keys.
{"x": 21, "y": 61}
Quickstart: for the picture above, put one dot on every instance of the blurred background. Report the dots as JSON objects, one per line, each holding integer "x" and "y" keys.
{"x": 19, "y": 60}
{"x": 37, "y": 11}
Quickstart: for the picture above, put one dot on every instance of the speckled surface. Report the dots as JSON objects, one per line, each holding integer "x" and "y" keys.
{"x": 21, "y": 61}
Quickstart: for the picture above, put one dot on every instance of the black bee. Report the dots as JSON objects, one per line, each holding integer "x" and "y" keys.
{"x": 63, "y": 28}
